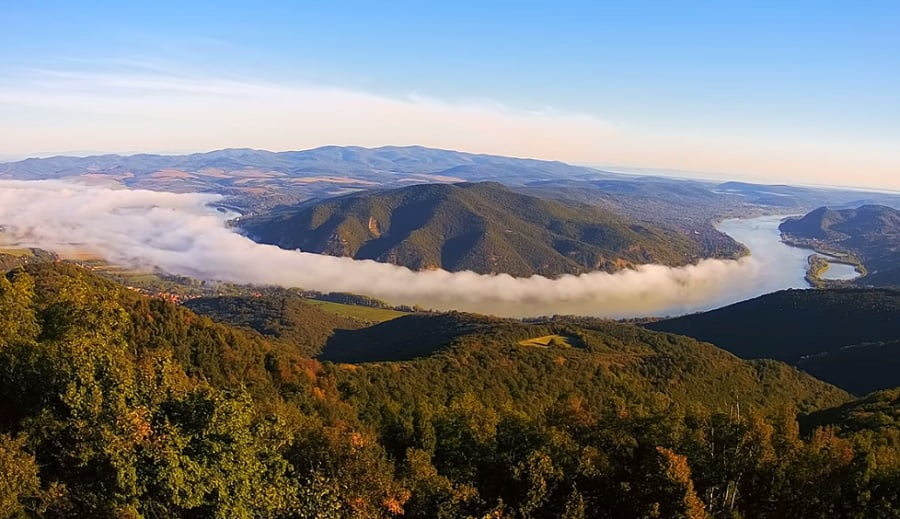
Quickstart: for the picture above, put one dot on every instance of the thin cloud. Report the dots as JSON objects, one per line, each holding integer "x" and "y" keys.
{"x": 152, "y": 108}
{"x": 162, "y": 111}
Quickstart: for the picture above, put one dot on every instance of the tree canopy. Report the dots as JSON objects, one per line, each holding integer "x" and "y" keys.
{"x": 113, "y": 404}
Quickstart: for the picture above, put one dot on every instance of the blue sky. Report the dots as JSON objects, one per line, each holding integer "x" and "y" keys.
{"x": 769, "y": 90}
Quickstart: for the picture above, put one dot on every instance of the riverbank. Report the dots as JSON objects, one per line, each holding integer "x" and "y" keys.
{"x": 778, "y": 265}
{"x": 827, "y": 268}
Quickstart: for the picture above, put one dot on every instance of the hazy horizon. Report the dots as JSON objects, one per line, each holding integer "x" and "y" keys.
{"x": 707, "y": 176}
{"x": 799, "y": 94}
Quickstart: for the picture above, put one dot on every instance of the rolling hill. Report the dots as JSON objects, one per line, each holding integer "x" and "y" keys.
{"x": 870, "y": 233}
{"x": 878, "y": 412}
{"x": 848, "y": 337}
{"x": 114, "y": 404}
{"x": 294, "y": 320}
{"x": 605, "y": 359}
{"x": 10, "y": 258}
{"x": 483, "y": 227}
{"x": 688, "y": 206}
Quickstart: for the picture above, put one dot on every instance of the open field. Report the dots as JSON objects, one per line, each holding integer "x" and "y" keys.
{"x": 547, "y": 341}
{"x": 363, "y": 313}
{"x": 16, "y": 252}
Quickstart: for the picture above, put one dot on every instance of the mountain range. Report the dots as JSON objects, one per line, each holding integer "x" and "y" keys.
{"x": 256, "y": 180}
{"x": 351, "y": 161}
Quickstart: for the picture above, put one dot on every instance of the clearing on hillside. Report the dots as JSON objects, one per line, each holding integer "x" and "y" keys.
{"x": 550, "y": 341}
{"x": 363, "y": 313}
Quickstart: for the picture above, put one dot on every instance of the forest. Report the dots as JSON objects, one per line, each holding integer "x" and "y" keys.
{"x": 115, "y": 404}
{"x": 484, "y": 227}
{"x": 844, "y": 336}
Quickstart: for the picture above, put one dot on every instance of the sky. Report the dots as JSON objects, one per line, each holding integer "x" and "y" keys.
{"x": 789, "y": 92}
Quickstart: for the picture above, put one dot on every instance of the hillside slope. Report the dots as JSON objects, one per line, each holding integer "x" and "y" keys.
{"x": 301, "y": 324}
{"x": 691, "y": 207}
{"x": 483, "y": 227}
{"x": 878, "y": 413}
{"x": 845, "y": 336}
{"x": 870, "y": 233}
{"x": 442, "y": 354}
{"x": 113, "y": 404}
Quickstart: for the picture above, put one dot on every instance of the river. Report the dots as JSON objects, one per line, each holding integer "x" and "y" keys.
{"x": 780, "y": 266}
{"x": 838, "y": 271}
{"x": 773, "y": 265}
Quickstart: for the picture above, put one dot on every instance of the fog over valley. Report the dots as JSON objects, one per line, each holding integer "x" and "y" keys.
{"x": 445, "y": 260}
{"x": 181, "y": 234}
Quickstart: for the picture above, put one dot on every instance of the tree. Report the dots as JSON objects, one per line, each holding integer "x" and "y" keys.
{"x": 19, "y": 482}
{"x": 669, "y": 489}
{"x": 18, "y": 321}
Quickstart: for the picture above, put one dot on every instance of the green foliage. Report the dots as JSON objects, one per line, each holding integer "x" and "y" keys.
{"x": 123, "y": 431}
{"x": 878, "y": 413}
{"x": 116, "y": 405}
{"x": 349, "y": 299}
{"x": 847, "y": 337}
{"x": 19, "y": 483}
{"x": 483, "y": 227}
{"x": 18, "y": 321}
{"x": 296, "y": 321}
{"x": 869, "y": 235}
{"x": 12, "y": 258}
{"x": 458, "y": 353}
{"x": 364, "y": 313}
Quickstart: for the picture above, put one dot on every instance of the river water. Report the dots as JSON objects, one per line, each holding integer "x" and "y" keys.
{"x": 838, "y": 271}
{"x": 779, "y": 266}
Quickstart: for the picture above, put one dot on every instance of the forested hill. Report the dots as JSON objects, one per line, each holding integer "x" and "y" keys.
{"x": 870, "y": 233}
{"x": 113, "y": 404}
{"x": 483, "y": 227}
{"x": 291, "y": 319}
{"x": 831, "y": 224}
{"x": 848, "y": 337}
{"x": 877, "y": 413}
{"x": 528, "y": 366}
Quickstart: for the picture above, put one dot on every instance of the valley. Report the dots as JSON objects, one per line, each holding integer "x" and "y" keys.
{"x": 413, "y": 406}
{"x": 771, "y": 266}
{"x": 410, "y": 411}
{"x": 449, "y": 260}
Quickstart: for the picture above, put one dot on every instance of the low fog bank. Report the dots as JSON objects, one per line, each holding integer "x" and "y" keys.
{"x": 178, "y": 233}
